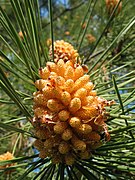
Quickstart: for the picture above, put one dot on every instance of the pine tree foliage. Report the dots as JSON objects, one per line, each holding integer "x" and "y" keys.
{"x": 106, "y": 44}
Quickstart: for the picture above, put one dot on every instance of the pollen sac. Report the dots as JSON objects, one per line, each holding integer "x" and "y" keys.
{"x": 39, "y": 111}
{"x": 42, "y": 133}
{"x": 87, "y": 101}
{"x": 93, "y": 136}
{"x": 78, "y": 144}
{"x": 69, "y": 117}
{"x": 65, "y": 98}
{"x": 52, "y": 78}
{"x": 61, "y": 68}
{"x": 54, "y": 105}
{"x": 69, "y": 85}
{"x": 39, "y": 99}
{"x": 67, "y": 134}
{"x": 75, "y": 122}
{"x": 52, "y": 66}
{"x": 69, "y": 159}
{"x": 40, "y": 84}
{"x": 44, "y": 73}
{"x": 78, "y": 72}
{"x": 49, "y": 143}
{"x": 80, "y": 93}
{"x": 84, "y": 129}
{"x": 81, "y": 82}
{"x": 92, "y": 93}
{"x": 60, "y": 127}
{"x": 63, "y": 115}
{"x": 69, "y": 73}
{"x": 75, "y": 105}
{"x": 48, "y": 91}
{"x": 87, "y": 112}
{"x": 85, "y": 155}
{"x": 88, "y": 86}
{"x": 64, "y": 147}
{"x": 60, "y": 81}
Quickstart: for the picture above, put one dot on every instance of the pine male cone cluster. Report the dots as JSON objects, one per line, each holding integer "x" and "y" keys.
{"x": 69, "y": 117}
{"x": 111, "y": 4}
{"x": 4, "y": 157}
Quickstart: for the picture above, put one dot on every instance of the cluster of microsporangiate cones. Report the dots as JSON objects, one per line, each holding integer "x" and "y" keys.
{"x": 111, "y": 5}
{"x": 4, "y": 157}
{"x": 69, "y": 117}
